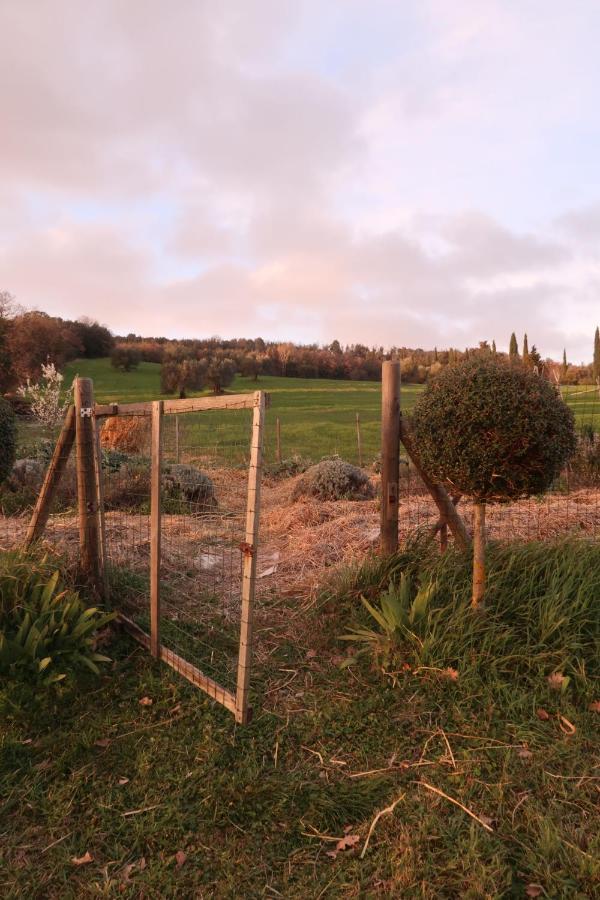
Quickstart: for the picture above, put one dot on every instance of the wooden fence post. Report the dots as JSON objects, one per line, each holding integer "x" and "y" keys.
{"x": 176, "y": 439}
{"x": 250, "y": 549}
{"x": 52, "y": 478}
{"x": 155, "y": 527}
{"x": 278, "y": 439}
{"x": 87, "y": 494}
{"x": 100, "y": 498}
{"x": 358, "y": 441}
{"x": 390, "y": 454}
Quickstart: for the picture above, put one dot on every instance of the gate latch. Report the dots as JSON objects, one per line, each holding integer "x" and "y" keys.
{"x": 86, "y": 412}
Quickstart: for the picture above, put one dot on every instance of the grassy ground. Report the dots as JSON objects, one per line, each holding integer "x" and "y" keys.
{"x": 318, "y": 416}
{"x": 261, "y": 811}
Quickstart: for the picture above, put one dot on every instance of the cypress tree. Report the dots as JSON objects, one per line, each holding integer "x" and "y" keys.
{"x": 494, "y": 347}
{"x": 513, "y": 347}
{"x": 525, "y": 350}
{"x": 597, "y": 354}
{"x": 565, "y": 364}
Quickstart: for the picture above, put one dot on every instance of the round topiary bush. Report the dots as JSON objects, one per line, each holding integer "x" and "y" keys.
{"x": 493, "y": 431}
{"x": 333, "y": 479}
{"x": 8, "y": 439}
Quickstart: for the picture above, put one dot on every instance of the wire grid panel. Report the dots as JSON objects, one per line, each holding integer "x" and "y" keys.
{"x": 209, "y": 466}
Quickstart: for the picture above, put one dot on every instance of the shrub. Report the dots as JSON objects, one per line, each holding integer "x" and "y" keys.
{"x": 334, "y": 479}
{"x": 125, "y": 357}
{"x": 129, "y": 434}
{"x": 128, "y": 484}
{"x": 287, "y": 468}
{"x": 46, "y": 631}
{"x": 48, "y": 402}
{"x": 493, "y": 431}
{"x": 8, "y": 439}
{"x": 190, "y": 485}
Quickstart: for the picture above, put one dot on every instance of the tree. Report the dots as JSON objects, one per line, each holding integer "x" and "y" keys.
{"x": 511, "y": 435}
{"x": 8, "y": 439}
{"x": 125, "y": 357}
{"x": 95, "y": 339}
{"x": 513, "y": 347}
{"x": 35, "y": 337}
{"x": 494, "y": 351}
{"x": 565, "y": 364}
{"x": 220, "y": 372}
{"x": 250, "y": 366}
{"x": 525, "y": 350}
{"x": 7, "y": 377}
{"x": 596, "y": 365}
{"x": 47, "y": 402}
{"x": 181, "y": 376}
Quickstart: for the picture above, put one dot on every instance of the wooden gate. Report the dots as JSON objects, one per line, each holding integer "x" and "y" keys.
{"x": 153, "y": 626}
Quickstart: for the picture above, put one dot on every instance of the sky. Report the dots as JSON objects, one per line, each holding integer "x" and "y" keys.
{"x": 390, "y": 172}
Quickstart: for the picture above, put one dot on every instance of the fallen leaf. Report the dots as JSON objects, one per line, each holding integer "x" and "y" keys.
{"x": 595, "y": 706}
{"x": 43, "y": 765}
{"x": 28, "y": 741}
{"x": 534, "y": 890}
{"x": 557, "y": 681}
{"x": 347, "y": 842}
{"x": 487, "y": 820}
{"x": 524, "y": 753}
{"x": 310, "y": 654}
{"x": 175, "y": 709}
{"x": 450, "y": 673}
{"x": 102, "y": 742}
{"x": 542, "y": 714}
{"x": 332, "y": 854}
{"x": 146, "y": 701}
{"x": 123, "y": 781}
{"x": 180, "y": 858}
{"x": 82, "y": 860}
{"x": 565, "y": 726}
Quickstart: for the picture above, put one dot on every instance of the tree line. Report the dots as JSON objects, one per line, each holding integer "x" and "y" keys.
{"x": 28, "y": 339}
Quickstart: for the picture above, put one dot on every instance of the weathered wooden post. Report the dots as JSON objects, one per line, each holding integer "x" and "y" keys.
{"x": 54, "y": 473}
{"x": 359, "y": 441}
{"x": 478, "y": 553}
{"x": 390, "y": 454}
{"x": 278, "y": 439}
{"x": 176, "y": 439}
{"x": 155, "y": 526}
{"x": 87, "y": 493}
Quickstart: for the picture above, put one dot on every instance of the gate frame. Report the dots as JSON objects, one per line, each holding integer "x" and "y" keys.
{"x": 82, "y": 427}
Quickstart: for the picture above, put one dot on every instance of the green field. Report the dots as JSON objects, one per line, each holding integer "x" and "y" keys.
{"x": 318, "y": 416}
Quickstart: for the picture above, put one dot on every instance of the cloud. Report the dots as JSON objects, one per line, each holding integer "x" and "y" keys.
{"x": 419, "y": 173}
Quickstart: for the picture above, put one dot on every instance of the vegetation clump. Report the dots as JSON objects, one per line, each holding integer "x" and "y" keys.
{"x": 334, "y": 479}
{"x": 287, "y": 468}
{"x": 187, "y": 483}
{"x": 8, "y": 439}
{"x": 495, "y": 432}
{"x": 46, "y": 630}
{"x": 492, "y": 431}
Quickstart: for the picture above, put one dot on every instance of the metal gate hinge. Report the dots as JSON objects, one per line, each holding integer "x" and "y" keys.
{"x": 86, "y": 412}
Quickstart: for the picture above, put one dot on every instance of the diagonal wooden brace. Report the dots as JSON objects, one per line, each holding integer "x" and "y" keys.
{"x": 448, "y": 513}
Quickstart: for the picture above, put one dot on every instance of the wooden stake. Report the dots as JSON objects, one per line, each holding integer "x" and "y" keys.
{"x": 242, "y": 711}
{"x": 52, "y": 478}
{"x": 440, "y": 496}
{"x": 278, "y": 439}
{"x": 155, "y": 526}
{"x": 358, "y": 441}
{"x": 478, "y": 554}
{"x": 86, "y": 482}
{"x": 390, "y": 454}
{"x": 176, "y": 439}
{"x": 100, "y": 500}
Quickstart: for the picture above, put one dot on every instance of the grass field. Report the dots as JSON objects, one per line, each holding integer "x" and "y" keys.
{"x": 260, "y": 811}
{"x": 318, "y": 416}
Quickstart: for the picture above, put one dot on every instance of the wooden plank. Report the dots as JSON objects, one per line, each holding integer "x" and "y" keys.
{"x": 83, "y": 392}
{"x": 242, "y": 711}
{"x": 359, "y": 440}
{"x": 155, "y": 526}
{"x": 52, "y": 478}
{"x": 101, "y": 520}
{"x": 390, "y": 454}
{"x": 172, "y": 407}
{"x": 180, "y": 665}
